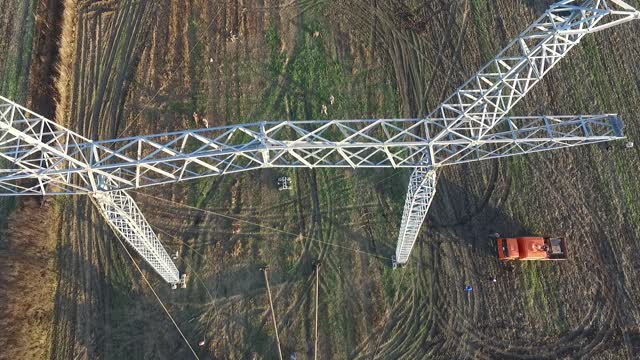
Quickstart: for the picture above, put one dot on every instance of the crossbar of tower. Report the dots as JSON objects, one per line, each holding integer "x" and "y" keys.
{"x": 471, "y": 125}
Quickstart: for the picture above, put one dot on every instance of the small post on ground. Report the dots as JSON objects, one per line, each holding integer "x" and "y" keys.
{"x": 273, "y": 313}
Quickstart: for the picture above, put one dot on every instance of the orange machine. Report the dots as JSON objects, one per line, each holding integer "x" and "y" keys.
{"x": 532, "y": 248}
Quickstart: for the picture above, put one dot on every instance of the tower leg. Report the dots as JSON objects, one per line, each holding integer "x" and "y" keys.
{"x": 422, "y": 188}
{"x": 126, "y": 219}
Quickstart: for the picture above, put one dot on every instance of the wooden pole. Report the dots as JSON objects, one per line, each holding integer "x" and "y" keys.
{"x": 273, "y": 312}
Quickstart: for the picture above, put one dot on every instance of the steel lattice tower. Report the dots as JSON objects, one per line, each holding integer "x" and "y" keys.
{"x": 471, "y": 125}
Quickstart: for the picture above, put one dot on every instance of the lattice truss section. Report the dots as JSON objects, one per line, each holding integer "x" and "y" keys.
{"x": 477, "y": 106}
{"x": 422, "y": 188}
{"x": 39, "y": 150}
{"x": 480, "y": 104}
{"x": 37, "y": 156}
{"x": 524, "y": 135}
{"x": 126, "y": 219}
{"x": 48, "y": 154}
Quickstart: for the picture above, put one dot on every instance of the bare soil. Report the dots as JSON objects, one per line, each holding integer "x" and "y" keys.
{"x": 27, "y": 244}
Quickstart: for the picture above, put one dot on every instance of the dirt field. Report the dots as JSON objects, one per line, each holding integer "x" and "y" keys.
{"x": 27, "y": 254}
{"x": 140, "y": 67}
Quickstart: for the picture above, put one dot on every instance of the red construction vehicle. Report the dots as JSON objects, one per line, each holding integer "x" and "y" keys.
{"x": 532, "y": 248}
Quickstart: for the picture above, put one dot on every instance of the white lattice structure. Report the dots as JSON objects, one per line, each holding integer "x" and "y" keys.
{"x": 127, "y": 220}
{"x": 48, "y": 159}
{"x": 53, "y": 160}
{"x": 422, "y": 189}
{"x": 476, "y": 107}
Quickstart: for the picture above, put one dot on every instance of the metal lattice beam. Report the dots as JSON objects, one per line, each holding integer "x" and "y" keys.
{"x": 126, "y": 220}
{"x": 422, "y": 189}
{"x": 54, "y": 166}
{"x": 46, "y": 158}
{"x": 476, "y": 107}
{"x": 525, "y": 135}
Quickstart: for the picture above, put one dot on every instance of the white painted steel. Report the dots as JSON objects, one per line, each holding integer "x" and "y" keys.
{"x": 44, "y": 158}
{"x": 127, "y": 221}
{"x": 475, "y": 108}
{"x": 58, "y": 166}
{"x": 422, "y": 188}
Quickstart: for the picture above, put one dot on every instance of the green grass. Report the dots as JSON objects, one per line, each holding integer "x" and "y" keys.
{"x": 261, "y": 338}
{"x": 307, "y": 80}
{"x": 534, "y": 287}
{"x": 199, "y": 70}
{"x": 14, "y": 81}
{"x": 539, "y": 280}
{"x": 304, "y": 82}
{"x": 392, "y": 283}
{"x": 479, "y": 10}
{"x": 602, "y": 90}
{"x": 541, "y": 286}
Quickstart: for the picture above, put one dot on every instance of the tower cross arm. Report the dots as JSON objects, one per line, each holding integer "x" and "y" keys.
{"x": 166, "y": 158}
{"x": 528, "y": 134}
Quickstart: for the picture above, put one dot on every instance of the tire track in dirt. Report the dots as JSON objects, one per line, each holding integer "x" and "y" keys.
{"x": 414, "y": 330}
{"x": 108, "y": 40}
{"x": 461, "y": 324}
{"x": 404, "y": 339}
{"x": 455, "y": 305}
{"x": 617, "y": 294}
{"x": 295, "y": 311}
{"x": 433, "y": 317}
{"x": 322, "y": 230}
{"x": 576, "y": 337}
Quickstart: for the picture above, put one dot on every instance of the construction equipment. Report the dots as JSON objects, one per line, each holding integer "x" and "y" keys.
{"x": 476, "y": 108}
{"x": 532, "y": 248}
{"x": 470, "y": 125}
